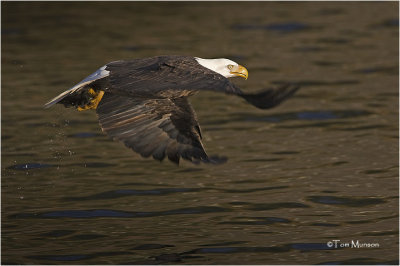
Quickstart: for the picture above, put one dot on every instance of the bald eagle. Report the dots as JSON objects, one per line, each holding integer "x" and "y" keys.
{"x": 144, "y": 102}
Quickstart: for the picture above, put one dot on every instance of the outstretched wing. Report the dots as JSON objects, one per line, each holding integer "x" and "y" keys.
{"x": 154, "y": 127}
{"x": 153, "y": 76}
{"x": 270, "y": 97}
{"x": 166, "y": 76}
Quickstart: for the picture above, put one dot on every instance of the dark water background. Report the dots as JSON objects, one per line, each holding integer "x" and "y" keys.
{"x": 322, "y": 166}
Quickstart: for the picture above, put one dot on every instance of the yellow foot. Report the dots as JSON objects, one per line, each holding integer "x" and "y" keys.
{"x": 94, "y": 102}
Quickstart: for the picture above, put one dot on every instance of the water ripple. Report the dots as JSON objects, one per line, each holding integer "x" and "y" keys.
{"x": 132, "y": 192}
{"x": 270, "y": 206}
{"x": 227, "y": 250}
{"x": 118, "y": 214}
{"x": 361, "y": 261}
{"x": 287, "y": 27}
{"x": 29, "y": 166}
{"x": 249, "y": 190}
{"x": 257, "y": 221}
{"x": 346, "y": 201}
{"x": 391, "y": 70}
{"x": 151, "y": 246}
{"x": 315, "y": 115}
{"x": 77, "y": 257}
{"x": 85, "y": 135}
{"x": 307, "y": 83}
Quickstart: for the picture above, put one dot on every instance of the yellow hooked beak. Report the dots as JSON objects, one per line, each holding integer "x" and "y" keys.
{"x": 240, "y": 71}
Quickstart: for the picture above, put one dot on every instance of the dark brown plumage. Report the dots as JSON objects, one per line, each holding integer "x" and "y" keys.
{"x": 144, "y": 103}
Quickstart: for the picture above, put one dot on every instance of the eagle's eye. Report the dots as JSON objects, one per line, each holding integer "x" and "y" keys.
{"x": 230, "y": 67}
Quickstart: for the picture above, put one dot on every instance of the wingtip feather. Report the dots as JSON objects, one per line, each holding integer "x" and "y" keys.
{"x": 271, "y": 97}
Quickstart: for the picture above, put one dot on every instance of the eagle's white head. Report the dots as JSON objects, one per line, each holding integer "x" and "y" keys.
{"x": 224, "y": 67}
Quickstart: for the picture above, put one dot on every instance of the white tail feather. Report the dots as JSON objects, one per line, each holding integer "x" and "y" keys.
{"x": 99, "y": 74}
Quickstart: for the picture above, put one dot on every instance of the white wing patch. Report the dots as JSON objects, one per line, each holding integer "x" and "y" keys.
{"x": 99, "y": 74}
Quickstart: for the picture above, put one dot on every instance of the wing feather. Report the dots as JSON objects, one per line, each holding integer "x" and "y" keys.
{"x": 158, "y": 127}
{"x": 270, "y": 98}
